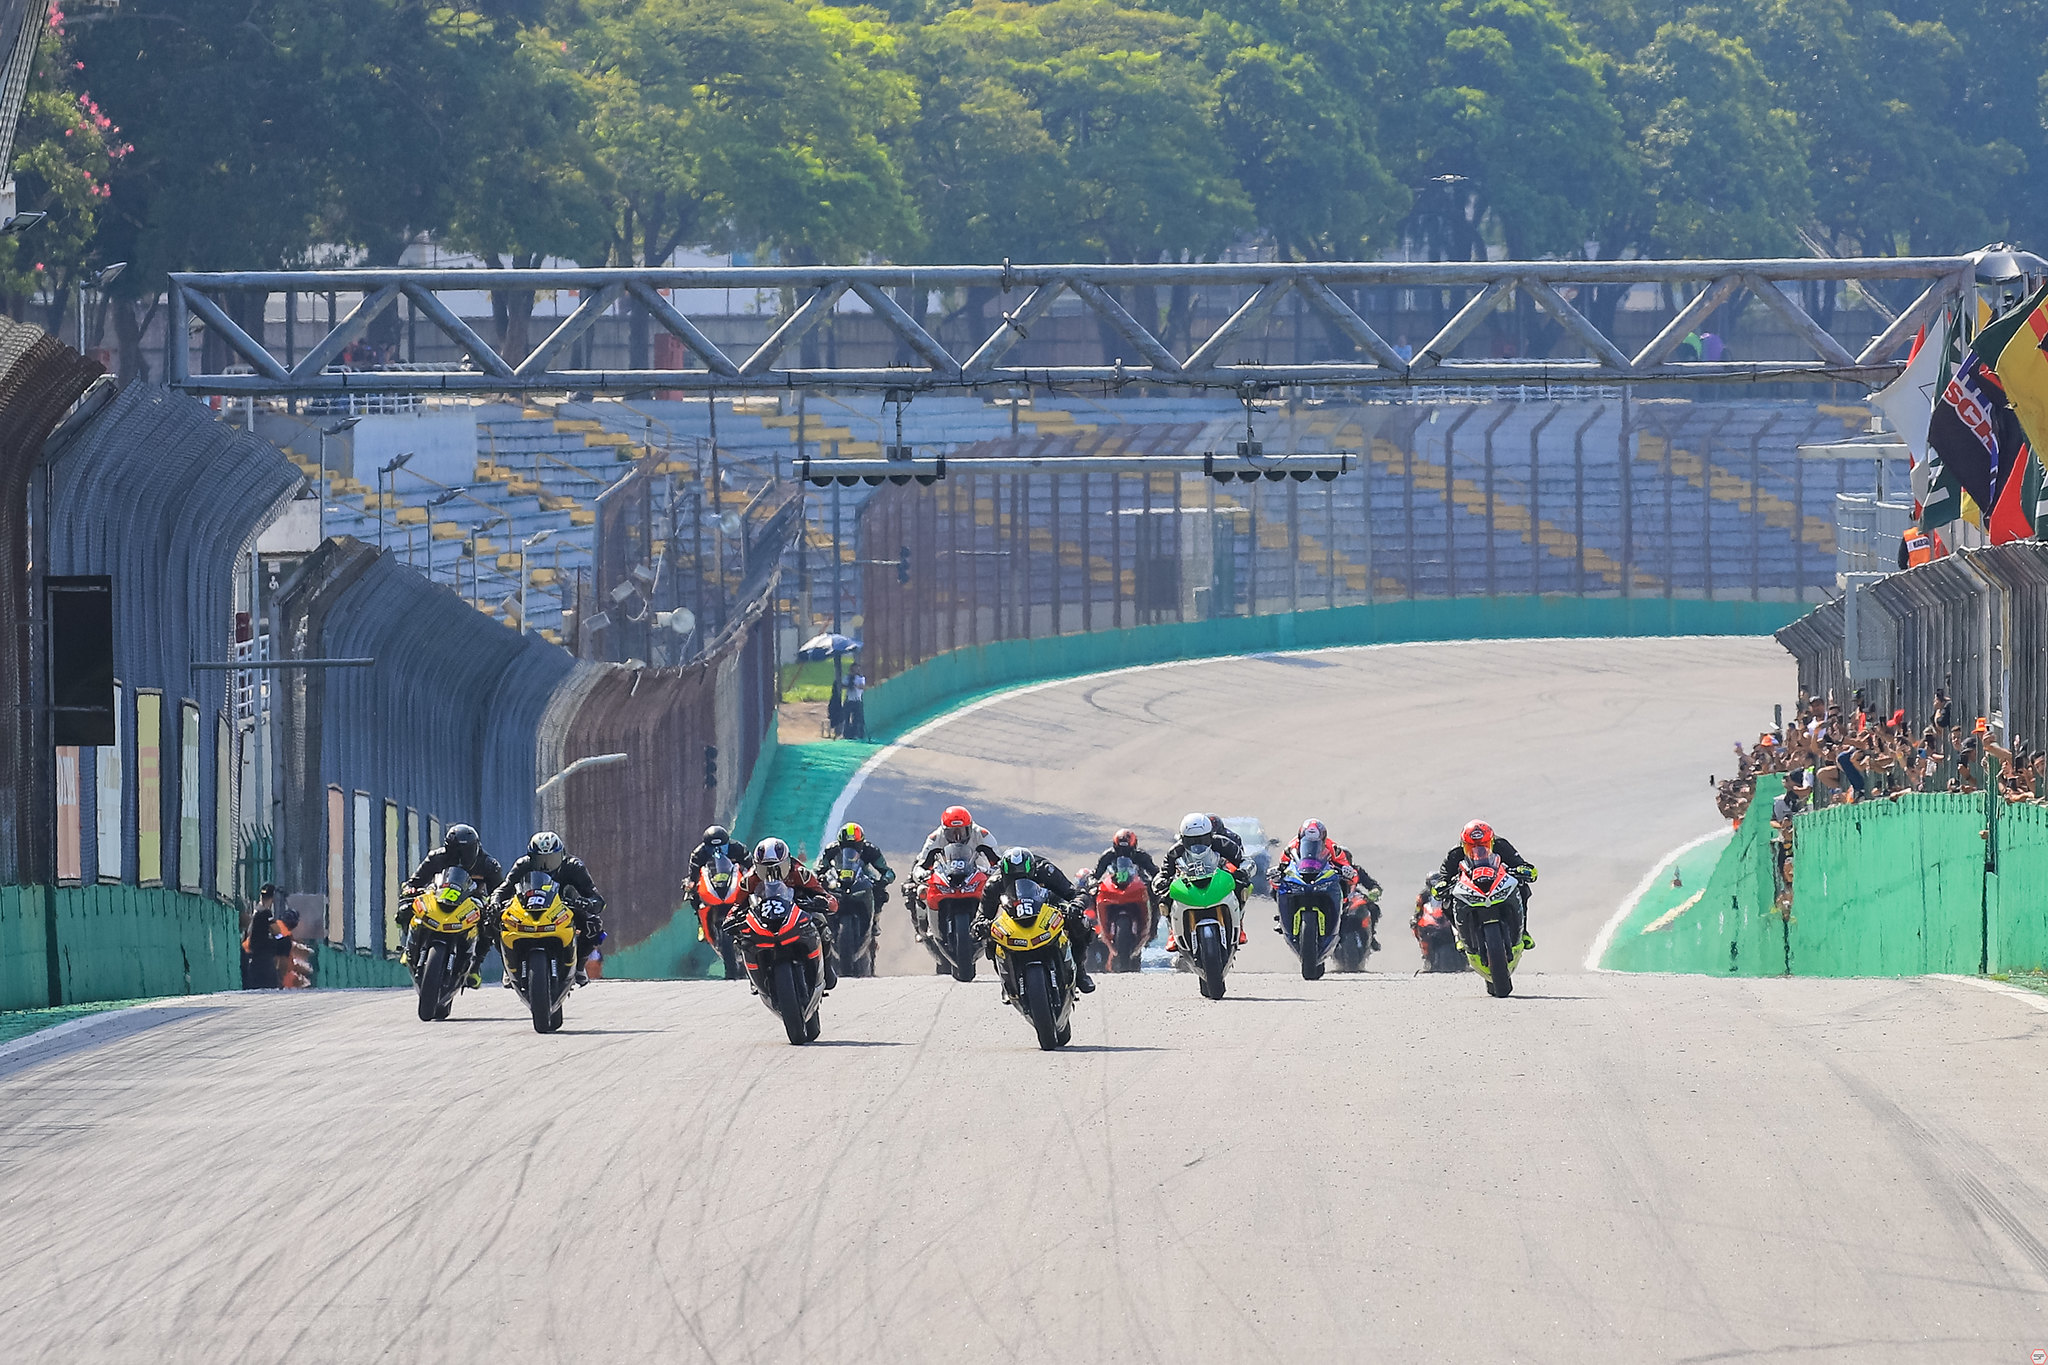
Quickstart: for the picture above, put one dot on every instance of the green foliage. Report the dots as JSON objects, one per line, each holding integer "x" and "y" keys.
{"x": 65, "y": 152}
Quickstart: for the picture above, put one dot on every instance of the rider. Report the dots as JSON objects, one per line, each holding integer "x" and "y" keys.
{"x": 1198, "y": 830}
{"x": 956, "y": 828}
{"x": 1313, "y": 841}
{"x": 773, "y": 862}
{"x": 1125, "y": 845}
{"x": 854, "y": 837}
{"x": 1477, "y": 841}
{"x": 1019, "y": 865}
{"x": 717, "y": 839}
{"x": 545, "y": 852}
{"x": 460, "y": 847}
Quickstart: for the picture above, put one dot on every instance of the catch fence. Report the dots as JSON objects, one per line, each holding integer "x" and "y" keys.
{"x": 1973, "y": 624}
{"x": 1586, "y": 498}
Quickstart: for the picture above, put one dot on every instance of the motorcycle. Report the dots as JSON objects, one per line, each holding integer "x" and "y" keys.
{"x": 1354, "y": 932}
{"x": 855, "y": 926}
{"x": 952, "y": 898}
{"x": 1437, "y": 937}
{"x": 1486, "y": 910}
{"x": 537, "y": 934}
{"x": 718, "y": 891}
{"x": 784, "y": 955}
{"x": 441, "y": 945}
{"x": 1029, "y": 939}
{"x": 1311, "y": 896}
{"x": 1202, "y": 907}
{"x": 1122, "y": 910}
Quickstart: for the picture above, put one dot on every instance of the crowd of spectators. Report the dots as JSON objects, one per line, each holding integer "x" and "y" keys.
{"x": 1832, "y": 754}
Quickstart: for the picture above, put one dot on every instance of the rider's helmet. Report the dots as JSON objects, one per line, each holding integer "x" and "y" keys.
{"x": 772, "y": 860}
{"x": 546, "y": 849}
{"x": 1126, "y": 841}
{"x": 1314, "y": 839}
{"x": 852, "y": 834}
{"x": 1019, "y": 863}
{"x": 717, "y": 834}
{"x": 957, "y": 824}
{"x": 1196, "y": 829}
{"x": 1477, "y": 838}
{"x": 464, "y": 843}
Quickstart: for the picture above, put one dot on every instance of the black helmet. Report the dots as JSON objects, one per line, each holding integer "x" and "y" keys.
{"x": 464, "y": 843}
{"x": 717, "y": 834}
{"x": 1019, "y": 862}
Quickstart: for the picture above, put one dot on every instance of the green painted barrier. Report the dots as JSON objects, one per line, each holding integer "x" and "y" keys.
{"x": 1879, "y": 888}
{"x": 939, "y": 683}
{"x": 114, "y": 943}
{"x": 337, "y": 968}
{"x": 1731, "y": 925}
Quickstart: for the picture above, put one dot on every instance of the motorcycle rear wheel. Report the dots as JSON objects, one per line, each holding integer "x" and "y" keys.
{"x": 1038, "y": 1004}
{"x": 1209, "y": 960}
{"x": 790, "y": 998}
{"x": 433, "y": 979}
{"x": 1499, "y": 982}
{"x": 540, "y": 989}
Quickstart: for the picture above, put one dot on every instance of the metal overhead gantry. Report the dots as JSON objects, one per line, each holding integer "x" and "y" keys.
{"x": 1027, "y": 293}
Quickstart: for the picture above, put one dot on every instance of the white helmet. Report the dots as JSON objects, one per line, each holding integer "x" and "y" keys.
{"x": 771, "y": 856}
{"x": 1196, "y": 825}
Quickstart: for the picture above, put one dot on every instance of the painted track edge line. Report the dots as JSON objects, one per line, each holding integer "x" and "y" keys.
{"x": 1605, "y": 938}
{"x": 837, "y": 815}
{"x": 2020, "y": 993}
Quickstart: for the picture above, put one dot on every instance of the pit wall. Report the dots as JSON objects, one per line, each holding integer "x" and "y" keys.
{"x": 938, "y": 683}
{"x": 1880, "y": 888}
{"x": 113, "y": 943}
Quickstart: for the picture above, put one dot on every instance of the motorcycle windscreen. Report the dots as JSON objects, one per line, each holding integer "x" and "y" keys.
{"x": 1029, "y": 897}
{"x": 457, "y": 879}
{"x": 849, "y": 860}
{"x": 1199, "y": 864}
{"x": 1122, "y": 870}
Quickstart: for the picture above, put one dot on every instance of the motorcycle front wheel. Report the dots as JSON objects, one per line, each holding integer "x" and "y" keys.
{"x": 1498, "y": 983}
{"x": 1309, "y": 945}
{"x": 433, "y": 978}
{"x": 540, "y": 990}
{"x": 1038, "y": 1004}
{"x": 790, "y": 998}
{"x": 1210, "y": 959}
{"x": 961, "y": 948}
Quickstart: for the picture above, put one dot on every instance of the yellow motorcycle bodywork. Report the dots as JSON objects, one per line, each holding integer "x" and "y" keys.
{"x": 445, "y": 909}
{"x": 1017, "y": 933}
{"x": 536, "y": 916}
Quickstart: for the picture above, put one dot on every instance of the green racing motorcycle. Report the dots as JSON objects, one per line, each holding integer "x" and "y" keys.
{"x": 1202, "y": 911}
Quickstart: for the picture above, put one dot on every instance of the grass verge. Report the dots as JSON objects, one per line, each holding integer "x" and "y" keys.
{"x": 20, "y": 1023}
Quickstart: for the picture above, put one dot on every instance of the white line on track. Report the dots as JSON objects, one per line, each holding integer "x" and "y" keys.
{"x": 2019, "y": 993}
{"x": 1628, "y": 902}
{"x": 837, "y": 817}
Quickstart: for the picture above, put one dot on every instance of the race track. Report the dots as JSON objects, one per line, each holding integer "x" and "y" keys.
{"x": 1604, "y": 1168}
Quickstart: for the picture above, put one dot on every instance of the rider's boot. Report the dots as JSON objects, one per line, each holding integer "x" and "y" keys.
{"x": 1083, "y": 982}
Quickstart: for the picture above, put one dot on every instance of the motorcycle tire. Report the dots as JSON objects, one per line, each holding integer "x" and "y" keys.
{"x": 790, "y": 998}
{"x": 1128, "y": 951}
{"x": 1210, "y": 959}
{"x": 814, "y": 1026}
{"x": 433, "y": 978}
{"x": 962, "y": 948}
{"x": 540, "y": 990}
{"x": 1499, "y": 982}
{"x": 1309, "y": 945}
{"x": 1038, "y": 1004}
{"x": 1066, "y": 1034}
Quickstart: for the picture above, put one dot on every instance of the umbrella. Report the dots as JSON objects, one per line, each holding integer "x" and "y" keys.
{"x": 826, "y": 646}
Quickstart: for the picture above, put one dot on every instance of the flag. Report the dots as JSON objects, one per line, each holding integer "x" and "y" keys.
{"x": 2022, "y": 367}
{"x": 1908, "y": 401}
{"x": 1942, "y": 500}
{"x": 2019, "y": 501}
{"x": 1973, "y": 430}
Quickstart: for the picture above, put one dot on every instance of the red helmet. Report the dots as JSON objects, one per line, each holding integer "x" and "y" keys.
{"x": 1126, "y": 840}
{"x": 956, "y": 817}
{"x": 1477, "y": 838}
{"x": 1313, "y": 829}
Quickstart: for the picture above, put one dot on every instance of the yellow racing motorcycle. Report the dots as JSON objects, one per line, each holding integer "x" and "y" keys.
{"x": 537, "y": 935}
{"x": 440, "y": 946}
{"x": 1029, "y": 937}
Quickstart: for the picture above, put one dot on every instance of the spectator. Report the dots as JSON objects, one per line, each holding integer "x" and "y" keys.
{"x": 266, "y": 944}
{"x": 835, "y": 709}
{"x": 1712, "y": 348}
{"x": 856, "y": 707}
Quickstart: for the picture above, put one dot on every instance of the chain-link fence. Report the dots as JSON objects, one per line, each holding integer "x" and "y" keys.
{"x": 1618, "y": 498}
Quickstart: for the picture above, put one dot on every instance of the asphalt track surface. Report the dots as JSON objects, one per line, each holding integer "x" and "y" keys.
{"x": 1381, "y": 1166}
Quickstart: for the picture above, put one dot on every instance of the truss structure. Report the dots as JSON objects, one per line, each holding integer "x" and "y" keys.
{"x": 1027, "y": 294}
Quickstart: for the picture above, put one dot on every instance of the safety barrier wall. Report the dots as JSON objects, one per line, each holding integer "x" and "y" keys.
{"x": 1974, "y": 623}
{"x": 113, "y": 943}
{"x": 1448, "y": 499}
{"x": 165, "y": 501}
{"x": 960, "y": 673}
{"x": 377, "y": 761}
{"x": 39, "y": 378}
{"x": 1879, "y": 888}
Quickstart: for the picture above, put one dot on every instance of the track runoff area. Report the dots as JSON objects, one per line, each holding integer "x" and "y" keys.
{"x": 1384, "y": 1165}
